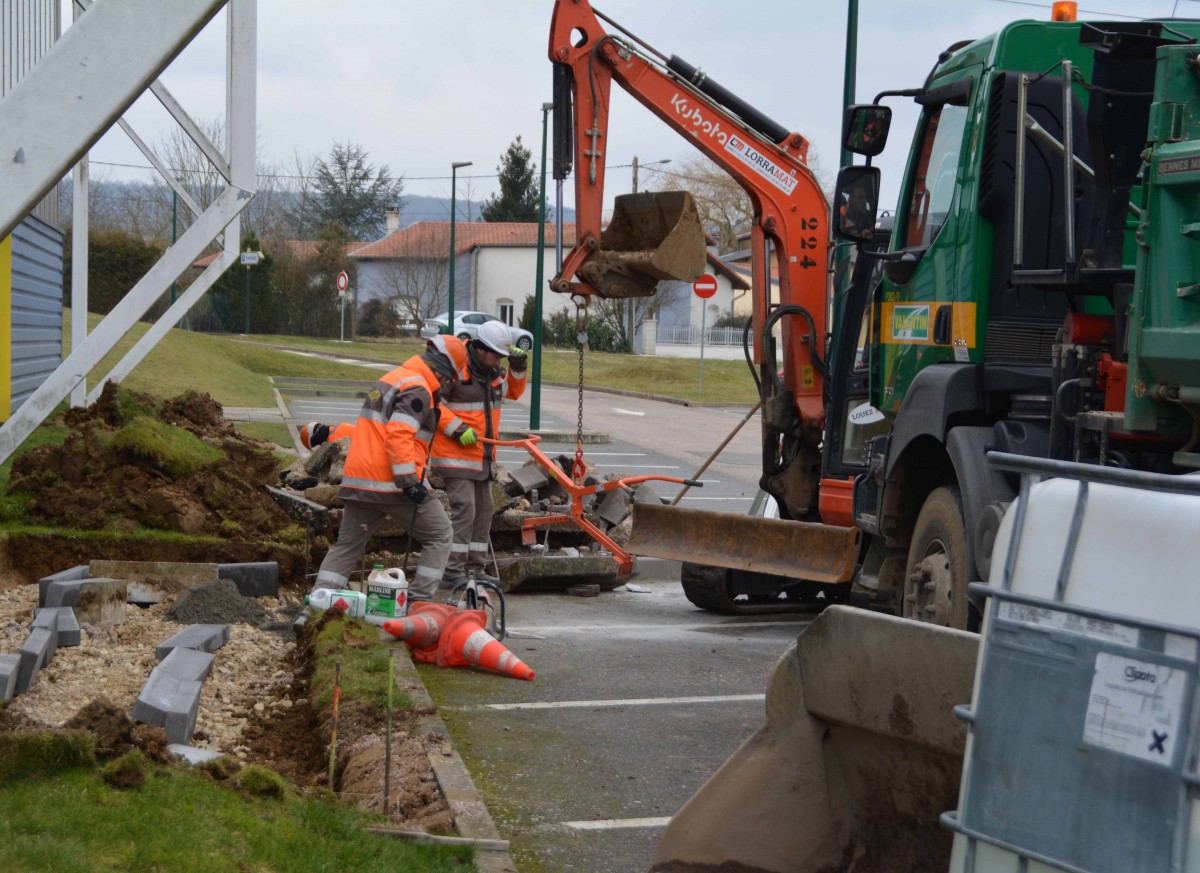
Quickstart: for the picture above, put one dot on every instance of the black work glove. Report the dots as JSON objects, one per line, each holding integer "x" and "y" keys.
{"x": 320, "y": 435}
{"x": 416, "y": 493}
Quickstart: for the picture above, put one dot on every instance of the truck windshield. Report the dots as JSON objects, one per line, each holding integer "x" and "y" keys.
{"x": 937, "y": 169}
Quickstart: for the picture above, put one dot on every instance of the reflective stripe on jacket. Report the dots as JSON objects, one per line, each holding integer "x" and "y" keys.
{"x": 475, "y": 403}
{"x": 391, "y": 438}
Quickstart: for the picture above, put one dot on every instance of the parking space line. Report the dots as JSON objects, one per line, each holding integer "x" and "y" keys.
{"x": 610, "y": 824}
{"x": 552, "y": 629}
{"x": 632, "y": 701}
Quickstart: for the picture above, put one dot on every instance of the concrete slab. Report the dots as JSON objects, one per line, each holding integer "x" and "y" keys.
{"x": 192, "y": 755}
{"x": 525, "y": 479}
{"x": 199, "y": 637}
{"x": 155, "y": 581}
{"x": 33, "y": 658}
{"x": 253, "y": 579}
{"x": 71, "y": 575}
{"x": 10, "y": 666}
{"x": 558, "y": 572}
{"x": 68, "y": 626}
{"x": 614, "y": 506}
{"x": 94, "y": 600}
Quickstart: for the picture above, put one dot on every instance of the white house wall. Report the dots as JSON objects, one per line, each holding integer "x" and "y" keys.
{"x": 510, "y": 274}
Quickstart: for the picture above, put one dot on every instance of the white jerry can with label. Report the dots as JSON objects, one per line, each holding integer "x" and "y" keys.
{"x": 1082, "y": 751}
{"x": 387, "y": 595}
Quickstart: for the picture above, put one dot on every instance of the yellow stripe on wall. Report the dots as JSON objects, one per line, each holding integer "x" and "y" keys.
{"x": 5, "y": 328}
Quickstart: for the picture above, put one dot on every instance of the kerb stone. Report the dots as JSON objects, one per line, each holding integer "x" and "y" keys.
{"x": 199, "y": 637}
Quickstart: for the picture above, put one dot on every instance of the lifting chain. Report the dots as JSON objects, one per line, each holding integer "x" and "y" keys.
{"x": 581, "y": 337}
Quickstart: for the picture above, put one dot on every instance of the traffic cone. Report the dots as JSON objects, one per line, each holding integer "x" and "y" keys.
{"x": 465, "y": 642}
{"x": 425, "y": 623}
{"x": 418, "y": 630}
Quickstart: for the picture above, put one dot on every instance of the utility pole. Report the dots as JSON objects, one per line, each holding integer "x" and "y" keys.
{"x": 535, "y": 396}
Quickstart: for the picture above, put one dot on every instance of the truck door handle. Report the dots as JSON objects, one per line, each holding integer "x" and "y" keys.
{"x": 942, "y": 323}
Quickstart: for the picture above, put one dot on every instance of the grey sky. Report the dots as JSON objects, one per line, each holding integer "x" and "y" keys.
{"x": 422, "y": 84}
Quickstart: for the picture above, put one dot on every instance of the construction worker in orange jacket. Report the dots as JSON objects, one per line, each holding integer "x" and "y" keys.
{"x": 470, "y": 409}
{"x": 315, "y": 433}
{"x": 385, "y": 468}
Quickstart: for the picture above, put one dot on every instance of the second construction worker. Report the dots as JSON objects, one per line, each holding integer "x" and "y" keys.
{"x": 385, "y": 467}
{"x": 470, "y": 409}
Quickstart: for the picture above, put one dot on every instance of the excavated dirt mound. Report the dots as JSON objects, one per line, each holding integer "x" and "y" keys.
{"x": 92, "y": 482}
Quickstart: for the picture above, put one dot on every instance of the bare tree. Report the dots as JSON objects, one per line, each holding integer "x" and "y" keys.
{"x": 416, "y": 281}
{"x": 624, "y": 314}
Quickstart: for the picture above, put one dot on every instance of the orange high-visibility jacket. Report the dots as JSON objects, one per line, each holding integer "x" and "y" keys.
{"x": 391, "y": 439}
{"x": 475, "y": 403}
{"x": 343, "y": 431}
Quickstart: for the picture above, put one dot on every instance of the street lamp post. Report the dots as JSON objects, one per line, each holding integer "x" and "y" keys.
{"x": 454, "y": 168}
{"x": 631, "y": 305}
{"x": 249, "y": 259}
{"x": 535, "y": 398}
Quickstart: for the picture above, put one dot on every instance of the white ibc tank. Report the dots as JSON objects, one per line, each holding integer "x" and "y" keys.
{"x": 1083, "y": 720}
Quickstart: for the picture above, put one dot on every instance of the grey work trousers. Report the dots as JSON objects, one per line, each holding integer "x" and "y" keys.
{"x": 430, "y": 527}
{"x": 471, "y": 516}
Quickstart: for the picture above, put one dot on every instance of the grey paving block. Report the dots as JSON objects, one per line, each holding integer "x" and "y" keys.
{"x": 33, "y": 657}
{"x": 200, "y": 637}
{"x": 527, "y": 478}
{"x": 253, "y": 579}
{"x": 47, "y": 619}
{"x": 185, "y": 664}
{"x": 74, "y": 573}
{"x": 94, "y": 599}
{"x": 614, "y": 506}
{"x": 68, "y": 626}
{"x": 170, "y": 703}
{"x": 191, "y": 754}
{"x": 10, "y": 666}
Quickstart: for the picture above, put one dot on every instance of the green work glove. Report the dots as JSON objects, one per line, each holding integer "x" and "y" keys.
{"x": 517, "y": 359}
{"x": 467, "y": 437}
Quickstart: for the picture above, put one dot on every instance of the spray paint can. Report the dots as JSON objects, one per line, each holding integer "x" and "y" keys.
{"x": 387, "y": 595}
{"x": 353, "y": 603}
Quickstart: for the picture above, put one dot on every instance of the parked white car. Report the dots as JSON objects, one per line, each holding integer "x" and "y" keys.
{"x": 466, "y": 327}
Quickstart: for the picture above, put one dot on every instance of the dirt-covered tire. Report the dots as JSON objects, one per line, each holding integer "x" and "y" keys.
{"x": 708, "y": 588}
{"x": 936, "y": 576}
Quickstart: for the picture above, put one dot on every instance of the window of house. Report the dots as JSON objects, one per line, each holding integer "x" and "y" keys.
{"x": 506, "y": 311}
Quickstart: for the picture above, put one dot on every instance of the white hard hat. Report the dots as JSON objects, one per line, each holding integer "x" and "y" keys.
{"x": 494, "y": 336}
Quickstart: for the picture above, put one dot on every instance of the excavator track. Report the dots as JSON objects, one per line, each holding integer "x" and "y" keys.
{"x": 732, "y": 592}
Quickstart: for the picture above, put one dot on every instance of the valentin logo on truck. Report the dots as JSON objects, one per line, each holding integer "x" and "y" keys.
{"x": 910, "y": 322}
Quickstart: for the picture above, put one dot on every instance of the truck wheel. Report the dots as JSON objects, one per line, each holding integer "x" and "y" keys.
{"x": 935, "y": 580}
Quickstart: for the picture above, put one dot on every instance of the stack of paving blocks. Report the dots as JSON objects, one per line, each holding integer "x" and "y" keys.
{"x": 171, "y": 696}
{"x": 52, "y": 627}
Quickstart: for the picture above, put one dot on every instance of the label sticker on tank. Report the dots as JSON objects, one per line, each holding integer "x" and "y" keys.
{"x": 1135, "y": 708}
{"x": 1069, "y": 622}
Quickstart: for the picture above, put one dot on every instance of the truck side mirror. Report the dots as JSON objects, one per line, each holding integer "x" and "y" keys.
{"x": 856, "y": 202}
{"x": 865, "y": 128}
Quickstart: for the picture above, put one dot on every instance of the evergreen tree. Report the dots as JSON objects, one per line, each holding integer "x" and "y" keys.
{"x": 352, "y": 192}
{"x": 518, "y": 197}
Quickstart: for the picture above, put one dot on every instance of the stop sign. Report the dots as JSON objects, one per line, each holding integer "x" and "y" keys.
{"x": 705, "y": 286}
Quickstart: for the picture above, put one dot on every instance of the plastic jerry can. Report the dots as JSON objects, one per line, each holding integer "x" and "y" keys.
{"x": 353, "y": 603}
{"x": 387, "y": 595}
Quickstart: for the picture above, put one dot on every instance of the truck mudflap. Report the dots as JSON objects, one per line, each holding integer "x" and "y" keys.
{"x": 859, "y": 755}
{"x": 797, "y": 549}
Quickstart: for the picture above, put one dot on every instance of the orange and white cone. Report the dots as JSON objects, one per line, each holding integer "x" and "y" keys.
{"x": 466, "y": 643}
{"x": 419, "y": 630}
{"x": 425, "y": 624}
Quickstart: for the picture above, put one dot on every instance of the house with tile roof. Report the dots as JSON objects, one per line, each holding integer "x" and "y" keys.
{"x": 495, "y": 266}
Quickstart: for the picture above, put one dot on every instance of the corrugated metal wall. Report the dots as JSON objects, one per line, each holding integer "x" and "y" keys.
{"x": 31, "y": 260}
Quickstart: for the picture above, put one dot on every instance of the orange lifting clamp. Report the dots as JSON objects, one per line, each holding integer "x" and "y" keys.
{"x": 574, "y": 514}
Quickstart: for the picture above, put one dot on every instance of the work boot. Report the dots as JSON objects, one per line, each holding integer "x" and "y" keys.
{"x": 487, "y": 577}
{"x": 449, "y": 583}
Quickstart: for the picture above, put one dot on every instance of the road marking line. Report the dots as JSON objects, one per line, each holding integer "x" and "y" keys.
{"x": 551, "y": 629}
{"x": 732, "y": 497}
{"x": 632, "y": 701}
{"x": 609, "y": 824}
{"x": 639, "y": 466}
{"x": 627, "y": 411}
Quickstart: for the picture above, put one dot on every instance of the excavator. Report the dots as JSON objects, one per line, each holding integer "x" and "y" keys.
{"x": 1034, "y": 299}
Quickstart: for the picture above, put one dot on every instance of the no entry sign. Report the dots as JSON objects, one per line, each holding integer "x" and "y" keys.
{"x": 705, "y": 286}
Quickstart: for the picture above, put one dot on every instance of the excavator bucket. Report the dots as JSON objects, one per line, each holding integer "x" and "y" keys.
{"x": 651, "y": 237}
{"x": 816, "y": 552}
{"x": 859, "y": 755}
